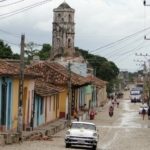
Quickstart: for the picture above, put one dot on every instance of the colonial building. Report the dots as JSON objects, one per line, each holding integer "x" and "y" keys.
{"x": 63, "y": 31}
{"x": 9, "y": 85}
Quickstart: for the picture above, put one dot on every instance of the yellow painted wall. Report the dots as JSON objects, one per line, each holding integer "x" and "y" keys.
{"x": 30, "y": 86}
{"x": 88, "y": 98}
{"x": 53, "y": 110}
{"x": 102, "y": 96}
{"x": 58, "y": 105}
{"x": 62, "y": 100}
{"x": 15, "y": 103}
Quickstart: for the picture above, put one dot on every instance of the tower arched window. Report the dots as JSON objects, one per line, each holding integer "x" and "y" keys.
{"x": 69, "y": 18}
{"x": 58, "y": 17}
{"x": 58, "y": 42}
{"x": 69, "y": 43}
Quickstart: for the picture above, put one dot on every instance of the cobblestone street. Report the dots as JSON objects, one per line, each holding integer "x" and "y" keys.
{"x": 126, "y": 130}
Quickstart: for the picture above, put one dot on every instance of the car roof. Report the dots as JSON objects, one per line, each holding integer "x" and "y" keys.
{"x": 83, "y": 122}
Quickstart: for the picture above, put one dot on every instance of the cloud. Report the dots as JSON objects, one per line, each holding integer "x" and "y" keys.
{"x": 98, "y": 22}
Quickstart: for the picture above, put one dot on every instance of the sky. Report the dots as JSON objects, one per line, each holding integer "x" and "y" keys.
{"x": 102, "y": 27}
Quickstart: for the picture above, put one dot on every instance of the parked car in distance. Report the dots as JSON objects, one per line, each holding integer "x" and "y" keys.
{"x": 141, "y": 108}
{"x": 82, "y": 133}
{"x": 126, "y": 88}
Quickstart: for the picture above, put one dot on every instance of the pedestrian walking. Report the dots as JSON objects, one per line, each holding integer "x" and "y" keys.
{"x": 117, "y": 104}
{"x": 148, "y": 113}
{"x": 75, "y": 115}
{"x": 113, "y": 103}
{"x": 143, "y": 113}
{"x": 111, "y": 111}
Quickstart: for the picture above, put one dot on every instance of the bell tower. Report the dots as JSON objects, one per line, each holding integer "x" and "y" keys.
{"x": 63, "y": 32}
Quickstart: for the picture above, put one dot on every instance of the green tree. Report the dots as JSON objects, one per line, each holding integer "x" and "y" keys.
{"x": 16, "y": 56}
{"x": 106, "y": 70}
{"x": 31, "y": 51}
{"x": 5, "y": 50}
{"x": 44, "y": 53}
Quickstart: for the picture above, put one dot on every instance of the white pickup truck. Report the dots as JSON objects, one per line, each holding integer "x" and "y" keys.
{"x": 135, "y": 96}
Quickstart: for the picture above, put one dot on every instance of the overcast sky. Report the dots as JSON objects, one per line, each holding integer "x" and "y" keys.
{"x": 98, "y": 23}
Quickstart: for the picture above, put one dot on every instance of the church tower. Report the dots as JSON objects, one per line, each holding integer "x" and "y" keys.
{"x": 63, "y": 31}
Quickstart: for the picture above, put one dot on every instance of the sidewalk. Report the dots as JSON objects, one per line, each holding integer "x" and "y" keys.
{"x": 43, "y": 132}
{"x": 50, "y": 129}
{"x": 46, "y": 130}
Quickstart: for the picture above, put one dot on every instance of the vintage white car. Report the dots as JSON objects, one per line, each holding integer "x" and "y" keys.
{"x": 82, "y": 133}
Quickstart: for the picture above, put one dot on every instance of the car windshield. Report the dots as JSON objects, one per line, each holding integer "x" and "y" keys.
{"x": 83, "y": 125}
{"x": 135, "y": 93}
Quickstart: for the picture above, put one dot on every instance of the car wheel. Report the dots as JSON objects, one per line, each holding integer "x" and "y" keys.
{"x": 68, "y": 145}
{"x": 94, "y": 147}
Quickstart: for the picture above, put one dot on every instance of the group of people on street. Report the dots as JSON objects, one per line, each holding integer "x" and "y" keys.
{"x": 114, "y": 102}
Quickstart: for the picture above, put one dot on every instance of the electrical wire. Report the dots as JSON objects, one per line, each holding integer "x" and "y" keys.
{"x": 6, "y": 15}
{"x": 120, "y": 40}
{"x": 10, "y": 4}
{"x": 9, "y": 33}
{"x": 134, "y": 49}
{"x": 8, "y": 42}
{"x": 129, "y": 44}
{"x": 121, "y": 49}
{"x": 3, "y": 0}
{"x": 123, "y": 54}
{"x": 24, "y": 8}
{"x": 121, "y": 46}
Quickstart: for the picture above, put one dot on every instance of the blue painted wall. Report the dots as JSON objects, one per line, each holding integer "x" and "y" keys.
{"x": 39, "y": 109}
{"x": 81, "y": 96}
{"x": 9, "y": 105}
{"x": 9, "y": 102}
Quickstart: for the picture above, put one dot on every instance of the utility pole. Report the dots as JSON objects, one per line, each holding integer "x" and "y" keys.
{"x": 94, "y": 90}
{"x": 146, "y": 76}
{"x": 69, "y": 94}
{"x": 21, "y": 81}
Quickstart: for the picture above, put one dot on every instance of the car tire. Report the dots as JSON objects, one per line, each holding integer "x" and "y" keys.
{"x": 68, "y": 145}
{"x": 94, "y": 147}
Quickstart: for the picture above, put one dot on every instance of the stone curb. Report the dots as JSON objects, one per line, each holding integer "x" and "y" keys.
{"x": 49, "y": 131}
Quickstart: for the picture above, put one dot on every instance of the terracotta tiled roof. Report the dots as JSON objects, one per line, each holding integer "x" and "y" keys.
{"x": 96, "y": 81}
{"x": 57, "y": 74}
{"x": 46, "y": 89}
{"x": 10, "y": 69}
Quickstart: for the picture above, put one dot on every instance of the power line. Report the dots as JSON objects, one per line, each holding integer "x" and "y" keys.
{"x": 8, "y": 42}
{"x": 10, "y": 4}
{"x": 24, "y": 8}
{"x": 125, "y": 53}
{"x": 9, "y": 33}
{"x": 120, "y": 40}
{"x": 3, "y": 0}
{"x": 6, "y": 15}
{"x": 123, "y": 47}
